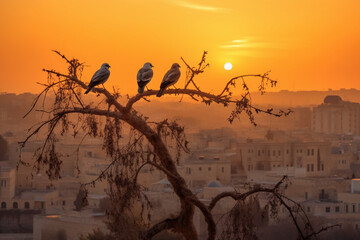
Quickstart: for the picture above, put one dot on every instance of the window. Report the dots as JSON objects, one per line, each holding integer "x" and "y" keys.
{"x": 63, "y": 202}
{"x": 209, "y": 169}
{"x": 3, "y": 205}
{"x": 222, "y": 169}
{"x": 312, "y": 152}
{"x": 337, "y": 209}
{"x": 188, "y": 170}
{"x": 346, "y": 208}
{"x": 308, "y": 167}
{"x": 312, "y": 167}
{"x": 3, "y": 182}
{"x": 287, "y": 151}
{"x": 308, "y": 152}
{"x": 322, "y": 167}
{"x": 15, "y": 205}
{"x": 306, "y": 195}
{"x": 322, "y": 194}
{"x": 353, "y": 208}
{"x": 327, "y": 209}
{"x": 258, "y": 152}
{"x": 200, "y": 169}
{"x": 279, "y": 153}
{"x": 308, "y": 209}
{"x": 27, "y": 205}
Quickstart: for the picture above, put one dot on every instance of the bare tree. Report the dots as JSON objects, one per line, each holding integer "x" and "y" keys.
{"x": 148, "y": 144}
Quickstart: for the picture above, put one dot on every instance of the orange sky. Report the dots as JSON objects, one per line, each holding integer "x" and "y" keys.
{"x": 308, "y": 44}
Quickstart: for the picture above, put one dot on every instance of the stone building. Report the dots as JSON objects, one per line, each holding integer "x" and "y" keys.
{"x": 200, "y": 170}
{"x": 336, "y": 116}
{"x": 321, "y": 158}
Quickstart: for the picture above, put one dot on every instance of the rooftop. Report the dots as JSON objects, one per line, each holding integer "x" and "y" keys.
{"x": 333, "y": 99}
{"x": 214, "y": 184}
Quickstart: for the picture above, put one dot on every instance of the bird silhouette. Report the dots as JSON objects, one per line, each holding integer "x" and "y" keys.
{"x": 170, "y": 78}
{"x": 144, "y": 76}
{"x": 100, "y": 77}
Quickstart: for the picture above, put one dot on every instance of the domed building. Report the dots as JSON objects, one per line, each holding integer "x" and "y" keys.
{"x": 336, "y": 116}
{"x": 333, "y": 99}
{"x": 214, "y": 184}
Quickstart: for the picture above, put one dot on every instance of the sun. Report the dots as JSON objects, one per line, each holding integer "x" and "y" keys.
{"x": 228, "y": 66}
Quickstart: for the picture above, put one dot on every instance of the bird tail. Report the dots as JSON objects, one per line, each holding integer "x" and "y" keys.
{"x": 88, "y": 90}
{"x": 141, "y": 90}
{"x": 161, "y": 92}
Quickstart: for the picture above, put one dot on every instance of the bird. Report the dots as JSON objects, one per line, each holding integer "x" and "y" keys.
{"x": 100, "y": 77}
{"x": 170, "y": 78}
{"x": 144, "y": 76}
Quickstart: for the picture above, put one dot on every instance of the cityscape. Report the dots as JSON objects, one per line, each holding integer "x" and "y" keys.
{"x": 179, "y": 120}
{"x": 320, "y": 159}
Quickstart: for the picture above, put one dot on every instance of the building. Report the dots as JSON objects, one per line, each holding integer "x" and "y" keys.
{"x": 200, "y": 170}
{"x": 336, "y": 116}
{"x": 7, "y": 181}
{"x": 322, "y": 158}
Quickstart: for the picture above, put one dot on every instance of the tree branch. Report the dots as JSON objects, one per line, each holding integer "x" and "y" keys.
{"x": 169, "y": 223}
{"x": 207, "y": 96}
{"x": 110, "y": 98}
{"x": 241, "y": 196}
{"x": 322, "y": 230}
{"x": 208, "y": 217}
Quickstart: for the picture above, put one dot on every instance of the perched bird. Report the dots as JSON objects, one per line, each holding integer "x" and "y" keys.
{"x": 144, "y": 76}
{"x": 170, "y": 78}
{"x": 100, "y": 77}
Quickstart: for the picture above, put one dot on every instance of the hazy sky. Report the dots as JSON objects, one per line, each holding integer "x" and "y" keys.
{"x": 308, "y": 44}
